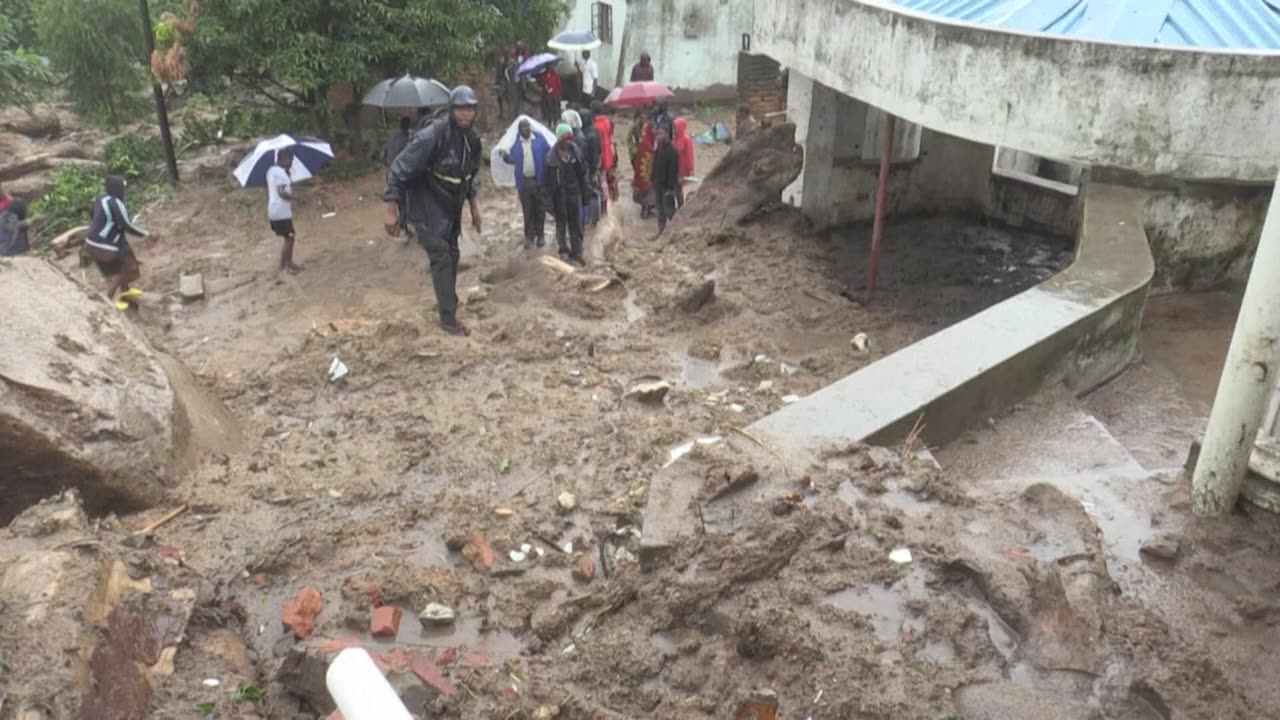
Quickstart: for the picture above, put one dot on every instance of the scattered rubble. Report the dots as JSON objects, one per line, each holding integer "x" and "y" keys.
{"x": 649, "y": 392}
{"x": 584, "y": 569}
{"x": 385, "y": 621}
{"x": 1162, "y": 547}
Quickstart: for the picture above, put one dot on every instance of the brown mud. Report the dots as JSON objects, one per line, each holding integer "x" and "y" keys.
{"x": 372, "y": 488}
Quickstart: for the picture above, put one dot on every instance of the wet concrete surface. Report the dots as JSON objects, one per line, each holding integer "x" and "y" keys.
{"x": 1120, "y": 451}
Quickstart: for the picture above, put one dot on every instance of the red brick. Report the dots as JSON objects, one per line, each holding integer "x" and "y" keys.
{"x": 300, "y": 612}
{"x": 478, "y": 552}
{"x": 385, "y": 621}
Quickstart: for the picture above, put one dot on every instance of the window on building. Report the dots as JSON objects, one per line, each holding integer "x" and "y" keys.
{"x": 1046, "y": 172}
{"x": 602, "y": 21}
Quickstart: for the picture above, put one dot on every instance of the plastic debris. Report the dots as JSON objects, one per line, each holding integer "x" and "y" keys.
{"x": 681, "y": 450}
{"x": 337, "y": 369}
{"x": 788, "y": 399}
{"x": 517, "y": 556}
{"x": 860, "y": 342}
{"x": 901, "y": 556}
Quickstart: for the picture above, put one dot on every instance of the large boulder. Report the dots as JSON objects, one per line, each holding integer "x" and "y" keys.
{"x": 86, "y": 402}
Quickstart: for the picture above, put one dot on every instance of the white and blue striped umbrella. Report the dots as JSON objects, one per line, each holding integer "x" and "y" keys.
{"x": 575, "y": 40}
{"x": 309, "y": 155}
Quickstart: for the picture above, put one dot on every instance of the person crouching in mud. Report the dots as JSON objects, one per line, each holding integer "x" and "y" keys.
{"x": 435, "y": 174}
{"x": 107, "y": 245}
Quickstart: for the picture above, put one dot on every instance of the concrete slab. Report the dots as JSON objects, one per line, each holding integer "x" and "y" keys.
{"x": 1079, "y": 327}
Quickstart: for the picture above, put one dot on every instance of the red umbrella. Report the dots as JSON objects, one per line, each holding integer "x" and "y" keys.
{"x": 638, "y": 94}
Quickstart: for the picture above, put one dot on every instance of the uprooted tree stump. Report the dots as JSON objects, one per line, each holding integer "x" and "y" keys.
{"x": 752, "y": 175}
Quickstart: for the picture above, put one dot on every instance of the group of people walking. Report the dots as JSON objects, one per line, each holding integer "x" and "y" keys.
{"x": 574, "y": 181}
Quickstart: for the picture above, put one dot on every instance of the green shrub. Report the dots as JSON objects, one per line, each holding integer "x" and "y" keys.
{"x": 135, "y": 156}
{"x": 69, "y": 202}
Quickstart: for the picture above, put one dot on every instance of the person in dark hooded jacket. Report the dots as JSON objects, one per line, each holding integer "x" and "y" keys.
{"x": 106, "y": 244}
{"x": 564, "y": 182}
{"x": 595, "y": 149}
{"x": 13, "y": 229}
{"x": 665, "y": 178}
{"x": 434, "y": 176}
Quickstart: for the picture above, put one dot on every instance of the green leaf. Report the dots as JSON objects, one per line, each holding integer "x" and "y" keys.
{"x": 247, "y": 693}
{"x": 205, "y": 708}
{"x": 505, "y": 465}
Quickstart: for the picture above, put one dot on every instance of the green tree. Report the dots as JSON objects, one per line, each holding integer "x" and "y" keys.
{"x": 294, "y": 50}
{"x": 97, "y": 46}
{"x": 23, "y": 74}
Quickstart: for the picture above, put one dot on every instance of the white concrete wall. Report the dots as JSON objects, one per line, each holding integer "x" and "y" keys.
{"x": 607, "y": 55}
{"x": 694, "y": 43}
{"x": 838, "y": 183}
{"x": 1159, "y": 111}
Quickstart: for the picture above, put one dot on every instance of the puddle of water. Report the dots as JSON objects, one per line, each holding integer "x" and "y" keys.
{"x": 886, "y": 606}
{"x": 939, "y": 652}
{"x": 1002, "y": 637}
{"x": 466, "y": 632}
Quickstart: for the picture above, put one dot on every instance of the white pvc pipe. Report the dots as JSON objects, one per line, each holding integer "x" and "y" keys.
{"x": 360, "y": 690}
{"x": 1247, "y": 379}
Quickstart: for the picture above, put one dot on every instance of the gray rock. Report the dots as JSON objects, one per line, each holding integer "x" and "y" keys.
{"x": 86, "y": 402}
{"x": 1162, "y": 547}
{"x": 436, "y": 614}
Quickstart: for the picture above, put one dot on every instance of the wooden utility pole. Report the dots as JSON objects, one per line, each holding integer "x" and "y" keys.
{"x": 162, "y": 113}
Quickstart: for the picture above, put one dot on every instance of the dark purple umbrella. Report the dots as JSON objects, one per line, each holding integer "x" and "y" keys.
{"x": 537, "y": 64}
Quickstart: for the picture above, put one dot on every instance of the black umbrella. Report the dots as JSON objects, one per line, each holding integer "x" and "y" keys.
{"x": 407, "y": 92}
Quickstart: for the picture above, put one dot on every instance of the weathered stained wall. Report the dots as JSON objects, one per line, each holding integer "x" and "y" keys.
{"x": 1160, "y": 111}
{"x": 1203, "y": 235}
{"x": 694, "y": 43}
{"x": 608, "y": 55}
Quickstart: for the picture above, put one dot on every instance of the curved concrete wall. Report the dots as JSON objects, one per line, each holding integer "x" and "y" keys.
{"x": 1159, "y": 111}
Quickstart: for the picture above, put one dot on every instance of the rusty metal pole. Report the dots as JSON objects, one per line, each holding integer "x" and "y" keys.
{"x": 882, "y": 198}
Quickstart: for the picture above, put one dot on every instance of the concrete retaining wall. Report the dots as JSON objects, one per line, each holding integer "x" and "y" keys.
{"x": 1079, "y": 327}
{"x": 1160, "y": 111}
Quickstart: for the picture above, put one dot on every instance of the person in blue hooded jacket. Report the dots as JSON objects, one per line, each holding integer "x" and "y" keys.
{"x": 528, "y": 154}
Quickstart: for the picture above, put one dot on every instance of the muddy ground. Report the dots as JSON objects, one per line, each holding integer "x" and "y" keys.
{"x": 383, "y": 488}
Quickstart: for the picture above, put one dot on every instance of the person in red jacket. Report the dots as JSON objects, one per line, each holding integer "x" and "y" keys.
{"x": 684, "y": 148}
{"x": 608, "y": 153}
{"x": 552, "y": 92}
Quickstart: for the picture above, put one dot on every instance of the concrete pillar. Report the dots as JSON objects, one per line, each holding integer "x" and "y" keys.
{"x": 799, "y": 106}
{"x": 1245, "y": 387}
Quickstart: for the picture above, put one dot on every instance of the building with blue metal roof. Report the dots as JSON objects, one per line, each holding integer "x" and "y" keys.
{"x": 1224, "y": 24}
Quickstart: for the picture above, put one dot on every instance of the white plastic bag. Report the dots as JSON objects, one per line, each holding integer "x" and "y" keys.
{"x": 504, "y": 175}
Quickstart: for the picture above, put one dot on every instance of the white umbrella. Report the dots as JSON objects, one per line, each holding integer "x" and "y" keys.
{"x": 309, "y": 155}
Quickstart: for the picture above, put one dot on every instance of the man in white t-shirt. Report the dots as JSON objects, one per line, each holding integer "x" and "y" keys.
{"x": 280, "y": 206}
{"x": 590, "y": 73}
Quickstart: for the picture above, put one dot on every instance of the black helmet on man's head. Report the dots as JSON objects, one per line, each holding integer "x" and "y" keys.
{"x": 463, "y": 96}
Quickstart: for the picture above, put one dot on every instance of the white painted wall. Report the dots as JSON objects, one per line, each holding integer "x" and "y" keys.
{"x": 607, "y": 55}
{"x": 694, "y": 43}
{"x": 1160, "y": 111}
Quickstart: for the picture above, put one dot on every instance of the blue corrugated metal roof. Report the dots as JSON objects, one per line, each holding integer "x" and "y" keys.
{"x": 1195, "y": 23}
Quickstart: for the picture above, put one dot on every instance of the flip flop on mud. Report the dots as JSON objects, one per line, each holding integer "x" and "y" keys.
{"x": 131, "y": 293}
{"x": 122, "y": 304}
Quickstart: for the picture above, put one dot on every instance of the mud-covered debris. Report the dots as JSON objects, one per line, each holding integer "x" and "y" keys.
{"x": 691, "y": 297}
{"x": 385, "y": 621}
{"x": 881, "y": 458}
{"x": 546, "y": 712}
{"x": 300, "y": 612}
{"x": 51, "y": 515}
{"x": 650, "y": 392}
{"x": 584, "y": 568}
{"x": 435, "y": 614}
{"x": 302, "y": 673}
{"x": 860, "y": 342}
{"x": 762, "y": 705}
{"x": 680, "y": 451}
{"x": 1162, "y": 547}
{"x": 567, "y": 501}
{"x": 764, "y": 386}
{"x": 723, "y": 483}
{"x": 478, "y": 552}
